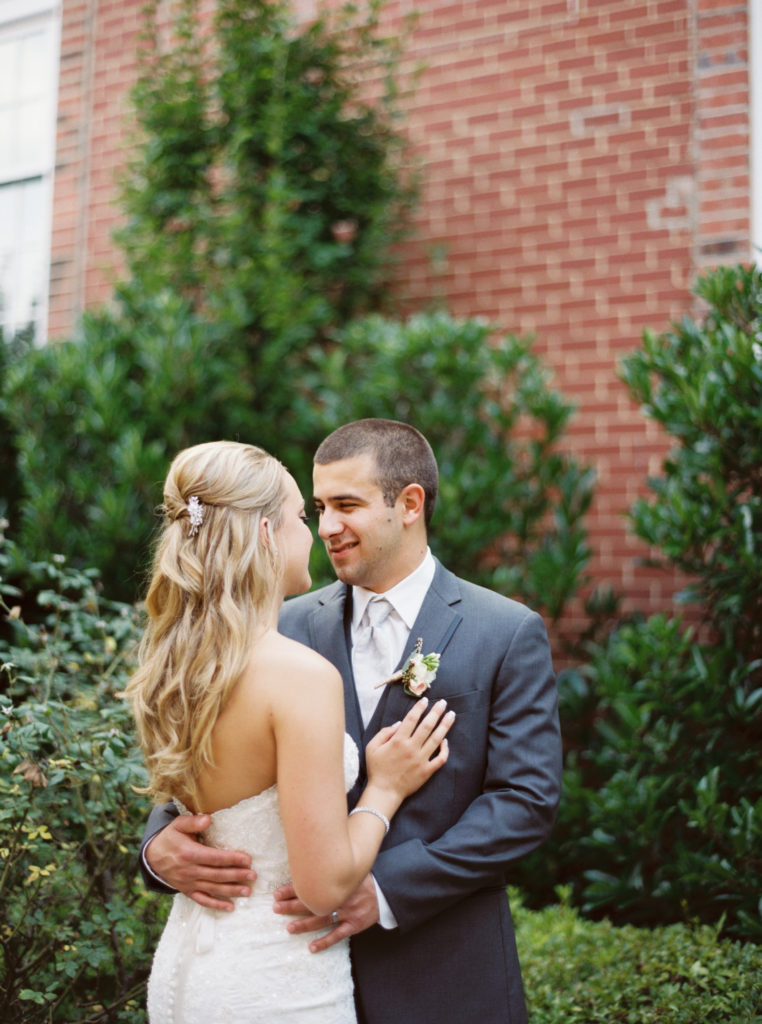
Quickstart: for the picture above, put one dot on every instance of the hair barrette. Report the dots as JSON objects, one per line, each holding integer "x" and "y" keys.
{"x": 195, "y": 514}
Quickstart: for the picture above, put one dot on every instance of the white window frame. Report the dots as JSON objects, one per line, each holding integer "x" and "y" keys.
{"x": 17, "y": 18}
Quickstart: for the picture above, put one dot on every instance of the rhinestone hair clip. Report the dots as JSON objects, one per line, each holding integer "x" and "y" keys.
{"x": 195, "y": 514}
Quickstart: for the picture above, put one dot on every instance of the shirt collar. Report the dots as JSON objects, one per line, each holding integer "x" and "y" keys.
{"x": 405, "y": 597}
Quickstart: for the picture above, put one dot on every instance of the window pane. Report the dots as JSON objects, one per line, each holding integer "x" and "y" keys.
{"x": 27, "y": 99}
{"x": 23, "y": 254}
{"x": 7, "y": 70}
{"x": 34, "y": 67}
{"x": 31, "y": 214}
{"x": 6, "y": 132}
{"x": 28, "y": 76}
{"x": 32, "y": 133}
{"x": 6, "y": 213}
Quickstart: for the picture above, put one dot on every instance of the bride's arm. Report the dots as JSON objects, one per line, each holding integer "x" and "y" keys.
{"x": 329, "y": 852}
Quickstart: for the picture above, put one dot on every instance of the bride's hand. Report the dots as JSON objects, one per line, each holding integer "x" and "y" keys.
{"x": 403, "y": 756}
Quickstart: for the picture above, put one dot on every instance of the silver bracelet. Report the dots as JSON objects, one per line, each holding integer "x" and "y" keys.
{"x": 372, "y": 810}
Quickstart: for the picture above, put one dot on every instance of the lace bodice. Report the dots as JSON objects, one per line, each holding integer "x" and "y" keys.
{"x": 254, "y": 825}
{"x": 244, "y": 967}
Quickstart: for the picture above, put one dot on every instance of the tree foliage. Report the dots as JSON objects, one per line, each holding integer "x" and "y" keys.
{"x": 125, "y": 397}
{"x": 270, "y": 185}
{"x": 662, "y": 809}
{"x": 77, "y": 929}
{"x": 263, "y": 205}
{"x": 96, "y": 421}
{"x": 702, "y": 381}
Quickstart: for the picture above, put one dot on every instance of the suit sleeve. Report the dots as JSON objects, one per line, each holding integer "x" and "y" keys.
{"x": 158, "y": 819}
{"x": 515, "y": 811}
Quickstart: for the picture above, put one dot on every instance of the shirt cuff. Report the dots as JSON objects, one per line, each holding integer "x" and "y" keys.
{"x": 149, "y": 870}
{"x": 385, "y": 916}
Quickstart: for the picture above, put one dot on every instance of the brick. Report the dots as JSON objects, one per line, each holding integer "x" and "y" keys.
{"x": 544, "y": 136}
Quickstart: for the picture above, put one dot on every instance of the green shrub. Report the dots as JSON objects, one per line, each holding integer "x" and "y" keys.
{"x": 263, "y": 207}
{"x": 583, "y": 972}
{"x": 10, "y": 482}
{"x": 124, "y": 398}
{"x": 702, "y": 381}
{"x": 97, "y": 420}
{"x": 266, "y": 196}
{"x": 670, "y": 784}
{"x": 662, "y": 811}
{"x": 77, "y": 929}
{"x": 269, "y": 187}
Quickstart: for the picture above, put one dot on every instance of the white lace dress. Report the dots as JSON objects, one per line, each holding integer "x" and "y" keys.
{"x": 243, "y": 967}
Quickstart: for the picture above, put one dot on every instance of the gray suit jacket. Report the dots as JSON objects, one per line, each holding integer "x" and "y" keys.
{"x": 442, "y": 866}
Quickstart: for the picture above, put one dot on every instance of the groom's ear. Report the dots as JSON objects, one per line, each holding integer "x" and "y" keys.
{"x": 412, "y": 499}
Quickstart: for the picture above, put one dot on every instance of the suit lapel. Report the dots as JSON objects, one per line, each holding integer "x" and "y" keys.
{"x": 329, "y": 636}
{"x": 435, "y": 624}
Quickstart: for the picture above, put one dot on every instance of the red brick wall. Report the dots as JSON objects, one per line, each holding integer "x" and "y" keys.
{"x": 722, "y": 133}
{"x": 99, "y": 45}
{"x": 98, "y": 56}
{"x": 582, "y": 160}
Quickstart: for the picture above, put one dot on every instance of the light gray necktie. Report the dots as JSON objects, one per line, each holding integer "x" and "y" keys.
{"x": 371, "y": 656}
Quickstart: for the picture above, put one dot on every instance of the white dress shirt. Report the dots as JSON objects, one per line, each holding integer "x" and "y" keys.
{"x": 406, "y": 598}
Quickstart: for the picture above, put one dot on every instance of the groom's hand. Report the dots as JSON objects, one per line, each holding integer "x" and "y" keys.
{"x": 358, "y": 912}
{"x": 209, "y": 876}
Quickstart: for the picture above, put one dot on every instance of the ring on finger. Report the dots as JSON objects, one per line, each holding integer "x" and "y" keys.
{"x": 334, "y": 918}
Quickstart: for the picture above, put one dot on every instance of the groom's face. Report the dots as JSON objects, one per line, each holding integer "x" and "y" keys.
{"x": 365, "y": 538}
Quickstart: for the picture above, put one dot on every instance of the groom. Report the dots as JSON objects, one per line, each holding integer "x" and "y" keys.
{"x": 432, "y": 936}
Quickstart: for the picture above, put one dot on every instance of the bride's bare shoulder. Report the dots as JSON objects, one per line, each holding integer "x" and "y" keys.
{"x": 278, "y": 657}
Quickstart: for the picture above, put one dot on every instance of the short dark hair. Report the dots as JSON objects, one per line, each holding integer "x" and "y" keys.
{"x": 402, "y": 455}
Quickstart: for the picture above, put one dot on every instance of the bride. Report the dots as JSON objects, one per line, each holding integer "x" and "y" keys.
{"x": 238, "y": 721}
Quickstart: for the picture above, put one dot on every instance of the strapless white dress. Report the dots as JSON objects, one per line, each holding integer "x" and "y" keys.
{"x": 243, "y": 967}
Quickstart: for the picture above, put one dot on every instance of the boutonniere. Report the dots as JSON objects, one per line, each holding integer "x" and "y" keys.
{"x": 418, "y": 673}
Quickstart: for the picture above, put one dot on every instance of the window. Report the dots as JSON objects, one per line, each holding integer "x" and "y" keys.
{"x": 29, "y": 39}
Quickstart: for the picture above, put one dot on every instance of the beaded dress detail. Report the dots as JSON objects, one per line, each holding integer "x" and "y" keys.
{"x": 213, "y": 967}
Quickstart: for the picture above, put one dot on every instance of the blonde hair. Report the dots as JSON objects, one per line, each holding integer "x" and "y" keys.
{"x": 213, "y": 590}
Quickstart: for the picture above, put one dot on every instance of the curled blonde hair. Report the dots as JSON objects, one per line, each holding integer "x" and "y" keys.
{"x": 213, "y": 590}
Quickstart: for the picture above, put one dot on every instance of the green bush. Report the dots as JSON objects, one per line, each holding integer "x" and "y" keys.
{"x": 263, "y": 207}
{"x": 702, "y": 381}
{"x": 583, "y": 972}
{"x": 123, "y": 399}
{"x": 670, "y": 785}
{"x": 269, "y": 188}
{"x": 77, "y": 929}
{"x": 511, "y": 509}
{"x": 97, "y": 420}
{"x": 269, "y": 185}
{"x": 10, "y": 482}
{"x": 662, "y": 811}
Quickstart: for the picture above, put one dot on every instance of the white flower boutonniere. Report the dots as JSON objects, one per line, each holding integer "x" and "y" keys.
{"x": 418, "y": 674}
